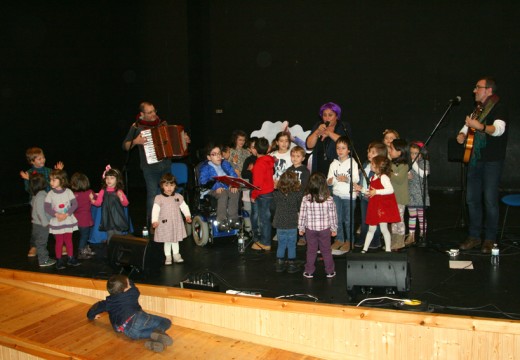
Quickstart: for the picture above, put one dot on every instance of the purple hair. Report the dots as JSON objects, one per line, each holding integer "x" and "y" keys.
{"x": 331, "y": 106}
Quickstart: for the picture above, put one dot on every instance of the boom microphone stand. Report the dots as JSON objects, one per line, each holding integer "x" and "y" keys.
{"x": 454, "y": 101}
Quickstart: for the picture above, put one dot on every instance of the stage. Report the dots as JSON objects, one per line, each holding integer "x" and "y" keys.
{"x": 484, "y": 291}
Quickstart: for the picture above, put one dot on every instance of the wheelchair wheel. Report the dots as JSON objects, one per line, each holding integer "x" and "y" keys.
{"x": 200, "y": 231}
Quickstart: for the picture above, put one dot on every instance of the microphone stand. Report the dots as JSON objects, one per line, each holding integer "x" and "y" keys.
{"x": 424, "y": 240}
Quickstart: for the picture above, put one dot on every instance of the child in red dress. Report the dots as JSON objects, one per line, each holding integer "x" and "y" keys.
{"x": 382, "y": 206}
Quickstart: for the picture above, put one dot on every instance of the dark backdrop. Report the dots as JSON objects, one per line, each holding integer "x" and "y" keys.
{"x": 74, "y": 72}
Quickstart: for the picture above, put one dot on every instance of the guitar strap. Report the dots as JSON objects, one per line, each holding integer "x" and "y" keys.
{"x": 480, "y": 137}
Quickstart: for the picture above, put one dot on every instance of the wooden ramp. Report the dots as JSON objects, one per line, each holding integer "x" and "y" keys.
{"x": 37, "y": 323}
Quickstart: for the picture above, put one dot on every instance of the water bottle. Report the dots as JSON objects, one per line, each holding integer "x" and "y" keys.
{"x": 145, "y": 232}
{"x": 241, "y": 245}
{"x": 495, "y": 255}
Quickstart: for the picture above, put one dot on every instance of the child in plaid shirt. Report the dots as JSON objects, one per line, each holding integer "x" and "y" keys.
{"x": 319, "y": 221}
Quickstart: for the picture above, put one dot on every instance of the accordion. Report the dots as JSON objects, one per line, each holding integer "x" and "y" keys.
{"x": 164, "y": 142}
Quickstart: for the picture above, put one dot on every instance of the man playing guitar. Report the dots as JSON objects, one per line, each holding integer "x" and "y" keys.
{"x": 486, "y": 159}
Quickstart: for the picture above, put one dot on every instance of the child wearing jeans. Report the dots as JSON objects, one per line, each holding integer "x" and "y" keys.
{"x": 286, "y": 201}
{"x": 318, "y": 220}
{"x": 127, "y": 316}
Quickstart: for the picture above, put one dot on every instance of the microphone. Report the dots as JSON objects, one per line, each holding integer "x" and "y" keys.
{"x": 455, "y": 100}
{"x": 327, "y": 123}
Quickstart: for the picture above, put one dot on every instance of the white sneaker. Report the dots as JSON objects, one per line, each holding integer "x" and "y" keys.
{"x": 168, "y": 260}
{"x": 177, "y": 258}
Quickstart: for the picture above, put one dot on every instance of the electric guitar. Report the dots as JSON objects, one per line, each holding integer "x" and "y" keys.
{"x": 470, "y": 137}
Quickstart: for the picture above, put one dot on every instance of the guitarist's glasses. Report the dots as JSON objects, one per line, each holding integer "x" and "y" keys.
{"x": 480, "y": 87}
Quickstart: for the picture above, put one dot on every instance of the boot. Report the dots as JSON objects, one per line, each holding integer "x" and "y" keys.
{"x": 280, "y": 265}
{"x": 336, "y": 245}
{"x": 397, "y": 242}
{"x": 168, "y": 260}
{"x": 410, "y": 239}
{"x": 177, "y": 258}
{"x": 292, "y": 267}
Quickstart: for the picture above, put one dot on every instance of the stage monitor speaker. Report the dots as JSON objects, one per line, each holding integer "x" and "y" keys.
{"x": 386, "y": 270}
{"x": 127, "y": 251}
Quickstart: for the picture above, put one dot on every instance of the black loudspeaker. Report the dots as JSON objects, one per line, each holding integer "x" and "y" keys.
{"x": 127, "y": 251}
{"x": 385, "y": 270}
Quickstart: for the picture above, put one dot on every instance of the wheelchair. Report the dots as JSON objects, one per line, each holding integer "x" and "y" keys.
{"x": 204, "y": 218}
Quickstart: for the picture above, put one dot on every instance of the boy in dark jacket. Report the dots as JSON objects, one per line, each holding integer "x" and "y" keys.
{"x": 127, "y": 316}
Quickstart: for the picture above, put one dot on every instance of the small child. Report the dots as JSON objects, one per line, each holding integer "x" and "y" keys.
{"x": 238, "y": 153}
{"x": 227, "y": 197}
{"x": 112, "y": 200}
{"x": 263, "y": 172}
{"x": 375, "y": 148}
{"x": 382, "y": 206}
{"x": 419, "y": 199}
{"x": 60, "y": 205}
{"x": 341, "y": 176}
{"x": 297, "y": 158}
{"x": 80, "y": 185}
{"x": 389, "y": 135}
{"x": 127, "y": 316}
{"x": 281, "y": 154}
{"x": 167, "y": 221}
{"x": 399, "y": 155}
{"x": 36, "y": 159}
{"x": 318, "y": 220}
{"x": 226, "y": 152}
{"x": 286, "y": 202}
{"x": 40, "y": 220}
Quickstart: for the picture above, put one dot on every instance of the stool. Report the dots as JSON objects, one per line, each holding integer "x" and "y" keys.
{"x": 509, "y": 200}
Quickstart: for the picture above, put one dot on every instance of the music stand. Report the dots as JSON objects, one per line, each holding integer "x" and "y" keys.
{"x": 240, "y": 184}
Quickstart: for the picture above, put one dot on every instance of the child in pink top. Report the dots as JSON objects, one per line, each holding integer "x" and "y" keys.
{"x": 80, "y": 185}
{"x": 112, "y": 200}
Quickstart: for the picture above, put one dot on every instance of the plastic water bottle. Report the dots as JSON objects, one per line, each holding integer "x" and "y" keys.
{"x": 495, "y": 255}
{"x": 145, "y": 232}
{"x": 241, "y": 245}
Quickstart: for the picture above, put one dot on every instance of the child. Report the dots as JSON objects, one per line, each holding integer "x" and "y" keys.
{"x": 40, "y": 220}
{"x": 127, "y": 316}
{"x": 375, "y": 148}
{"x": 341, "y": 177}
{"x": 399, "y": 154}
{"x": 382, "y": 206}
{"x": 389, "y": 135}
{"x": 226, "y": 152}
{"x": 167, "y": 221}
{"x": 286, "y": 201}
{"x": 281, "y": 154}
{"x": 112, "y": 200}
{"x": 263, "y": 172}
{"x": 418, "y": 202}
{"x": 297, "y": 157}
{"x": 60, "y": 205}
{"x": 80, "y": 185}
{"x": 246, "y": 194}
{"x": 238, "y": 153}
{"x": 318, "y": 220}
{"x": 227, "y": 197}
{"x": 36, "y": 159}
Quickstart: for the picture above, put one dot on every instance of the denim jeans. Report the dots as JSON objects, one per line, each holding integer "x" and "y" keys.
{"x": 254, "y": 220}
{"x": 84, "y": 235}
{"x": 344, "y": 226}
{"x": 143, "y": 324}
{"x": 482, "y": 195}
{"x": 286, "y": 240}
{"x": 263, "y": 203}
{"x": 152, "y": 175}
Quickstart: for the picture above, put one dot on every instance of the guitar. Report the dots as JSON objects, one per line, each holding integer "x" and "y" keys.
{"x": 470, "y": 137}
